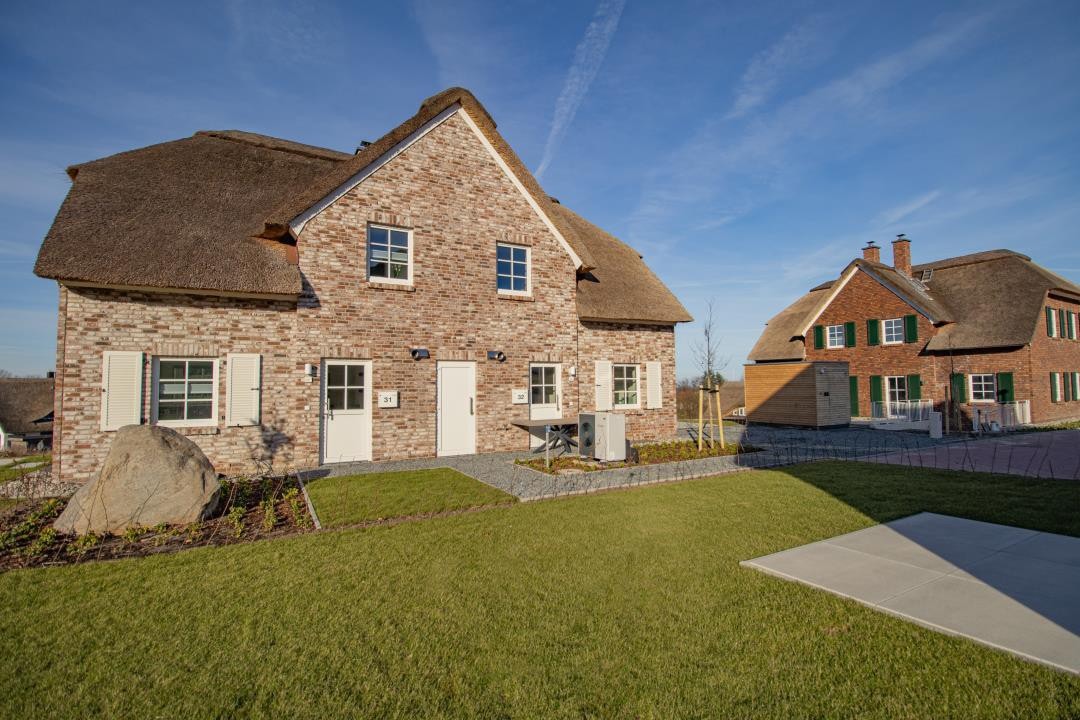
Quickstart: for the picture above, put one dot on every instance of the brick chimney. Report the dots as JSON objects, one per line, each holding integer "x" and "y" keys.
{"x": 872, "y": 252}
{"x": 901, "y": 255}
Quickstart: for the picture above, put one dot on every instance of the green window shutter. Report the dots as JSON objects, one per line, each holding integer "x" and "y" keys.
{"x": 959, "y": 387}
{"x": 1050, "y": 322}
{"x": 914, "y": 387}
{"x": 1005, "y": 391}
{"x": 819, "y": 337}
{"x": 849, "y": 334}
{"x": 1066, "y": 381}
{"x": 873, "y": 332}
{"x": 1062, "y": 332}
{"x": 1054, "y": 388}
{"x": 911, "y": 328}
{"x": 877, "y": 388}
{"x": 853, "y": 391}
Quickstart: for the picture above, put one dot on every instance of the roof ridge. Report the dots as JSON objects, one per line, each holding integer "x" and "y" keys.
{"x": 969, "y": 259}
{"x": 270, "y": 142}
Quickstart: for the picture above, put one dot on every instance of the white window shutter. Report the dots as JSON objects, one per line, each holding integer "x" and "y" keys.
{"x": 121, "y": 389}
{"x": 243, "y": 389}
{"x": 603, "y": 385}
{"x": 654, "y": 396}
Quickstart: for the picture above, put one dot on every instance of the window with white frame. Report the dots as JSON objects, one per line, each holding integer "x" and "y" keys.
{"x": 897, "y": 388}
{"x": 512, "y": 268}
{"x": 625, "y": 385}
{"x": 983, "y": 388}
{"x": 389, "y": 254}
{"x": 185, "y": 391}
{"x": 835, "y": 336}
{"x": 543, "y": 384}
{"x": 894, "y": 331}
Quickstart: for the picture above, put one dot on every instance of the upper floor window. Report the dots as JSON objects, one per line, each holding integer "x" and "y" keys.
{"x": 983, "y": 388}
{"x": 625, "y": 385}
{"x": 835, "y": 336}
{"x": 894, "y": 331}
{"x": 184, "y": 391}
{"x": 512, "y": 268}
{"x": 389, "y": 254}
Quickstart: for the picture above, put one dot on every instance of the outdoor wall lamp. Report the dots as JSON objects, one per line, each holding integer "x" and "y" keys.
{"x": 419, "y": 353}
{"x": 498, "y": 355}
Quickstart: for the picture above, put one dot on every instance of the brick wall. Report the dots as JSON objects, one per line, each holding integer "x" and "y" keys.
{"x": 1053, "y": 354}
{"x": 456, "y": 201}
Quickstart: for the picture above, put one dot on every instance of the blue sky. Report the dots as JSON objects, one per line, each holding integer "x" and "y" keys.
{"x": 747, "y": 150}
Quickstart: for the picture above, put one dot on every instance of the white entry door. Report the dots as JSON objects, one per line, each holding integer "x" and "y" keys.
{"x": 346, "y": 410}
{"x": 456, "y": 407}
{"x": 545, "y": 396}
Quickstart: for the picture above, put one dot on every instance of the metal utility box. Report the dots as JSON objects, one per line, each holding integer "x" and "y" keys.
{"x": 811, "y": 394}
{"x": 602, "y": 436}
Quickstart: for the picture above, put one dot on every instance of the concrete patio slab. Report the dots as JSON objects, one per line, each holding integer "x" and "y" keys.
{"x": 1013, "y": 589}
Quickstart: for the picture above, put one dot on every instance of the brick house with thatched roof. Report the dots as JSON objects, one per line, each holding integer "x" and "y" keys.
{"x": 26, "y": 409}
{"x": 975, "y": 332}
{"x": 291, "y": 303}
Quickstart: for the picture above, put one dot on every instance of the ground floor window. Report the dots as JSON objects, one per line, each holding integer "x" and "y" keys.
{"x": 543, "y": 383}
{"x": 625, "y": 385}
{"x": 983, "y": 388}
{"x": 184, "y": 391}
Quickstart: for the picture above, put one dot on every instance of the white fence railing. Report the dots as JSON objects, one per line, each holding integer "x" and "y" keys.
{"x": 904, "y": 410}
{"x": 1001, "y": 416}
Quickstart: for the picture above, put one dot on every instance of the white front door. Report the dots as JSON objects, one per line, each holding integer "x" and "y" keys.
{"x": 346, "y": 410}
{"x": 456, "y": 407}
{"x": 545, "y": 396}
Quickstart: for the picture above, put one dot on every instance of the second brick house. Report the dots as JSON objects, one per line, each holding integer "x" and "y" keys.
{"x": 289, "y": 303}
{"x": 959, "y": 334}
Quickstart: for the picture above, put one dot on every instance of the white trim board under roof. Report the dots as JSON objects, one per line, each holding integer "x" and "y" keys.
{"x": 296, "y": 225}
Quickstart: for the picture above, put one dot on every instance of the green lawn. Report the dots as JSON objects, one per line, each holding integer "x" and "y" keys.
{"x": 353, "y": 499}
{"x": 22, "y": 466}
{"x": 621, "y": 604}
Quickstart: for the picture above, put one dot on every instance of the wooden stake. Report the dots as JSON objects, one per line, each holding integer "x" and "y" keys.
{"x": 720, "y": 420}
{"x": 700, "y": 411}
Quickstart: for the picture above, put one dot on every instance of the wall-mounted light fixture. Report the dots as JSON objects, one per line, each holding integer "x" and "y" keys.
{"x": 419, "y": 353}
{"x": 497, "y": 355}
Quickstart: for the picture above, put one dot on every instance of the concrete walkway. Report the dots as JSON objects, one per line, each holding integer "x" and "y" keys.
{"x": 1012, "y": 589}
{"x": 1053, "y": 454}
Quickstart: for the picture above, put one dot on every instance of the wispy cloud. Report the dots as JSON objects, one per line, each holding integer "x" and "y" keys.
{"x": 732, "y": 173}
{"x": 795, "y": 50}
{"x": 895, "y": 214}
{"x": 588, "y": 57}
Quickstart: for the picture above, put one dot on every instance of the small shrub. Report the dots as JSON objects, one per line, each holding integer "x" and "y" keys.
{"x": 193, "y": 532}
{"x": 84, "y": 544}
{"x": 269, "y": 514}
{"x": 236, "y": 518}
{"x": 45, "y": 540}
{"x": 132, "y": 534}
{"x": 297, "y": 507}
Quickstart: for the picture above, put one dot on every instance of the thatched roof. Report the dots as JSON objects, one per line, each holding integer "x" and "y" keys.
{"x": 24, "y": 400}
{"x": 212, "y": 212}
{"x": 621, "y": 287}
{"x": 990, "y": 299}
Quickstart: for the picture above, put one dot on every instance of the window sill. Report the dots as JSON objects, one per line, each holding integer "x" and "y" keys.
{"x": 515, "y": 298}
{"x": 400, "y": 287}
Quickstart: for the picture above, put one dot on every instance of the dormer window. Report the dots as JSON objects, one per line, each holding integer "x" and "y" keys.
{"x": 389, "y": 254}
{"x": 512, "y": 269}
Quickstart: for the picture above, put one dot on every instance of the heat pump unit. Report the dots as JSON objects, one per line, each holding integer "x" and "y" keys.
{"x": 602, "y": 436}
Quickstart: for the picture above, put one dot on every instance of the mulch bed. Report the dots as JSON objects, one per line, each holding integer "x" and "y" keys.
{"x": 644, "y": 454}
{"x": 252, "y": 509}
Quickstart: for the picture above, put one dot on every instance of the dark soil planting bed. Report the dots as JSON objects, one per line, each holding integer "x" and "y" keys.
{"x": 251, "y": 509}
{"x": 644, "y": 454}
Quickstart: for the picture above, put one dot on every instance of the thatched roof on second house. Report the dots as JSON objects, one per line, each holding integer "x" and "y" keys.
{"x": 782, "y": 337}
{"x": 621, "y": 288}
{"x": 991, "y": 299}
{"x": 998, "y": 302}
{"x": 24, "y": 400}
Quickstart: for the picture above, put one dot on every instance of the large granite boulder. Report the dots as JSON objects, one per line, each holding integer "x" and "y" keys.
{"x": 151, "y": 475}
